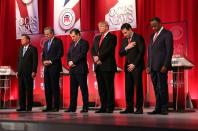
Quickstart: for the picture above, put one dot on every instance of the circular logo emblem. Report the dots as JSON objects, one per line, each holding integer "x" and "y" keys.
{"x": 178, "y": 32}
{"x": 27, "y": 1}
{"x": 67, "y": 19}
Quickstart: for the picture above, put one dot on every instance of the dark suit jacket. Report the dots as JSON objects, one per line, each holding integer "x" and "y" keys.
{"x": 78, "y": 55}
{"x": 54, "y": 54}
{"x": 106, "y": 52}
{"x": 160, "y": 52}
{"x": 134, "y": 55}
{"x": 28, "y": 63}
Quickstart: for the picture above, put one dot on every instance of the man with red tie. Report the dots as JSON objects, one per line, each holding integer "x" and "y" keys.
{"x": 160, "y": 53}
{"x": 103, "y": 53}
{"x": 133, "y": 48}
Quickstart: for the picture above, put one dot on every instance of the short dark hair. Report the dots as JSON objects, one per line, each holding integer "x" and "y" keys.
{"x": 50, "y": 29}
{"x": 156, "y": 19}
{"x": 76, "y": 31}
{"x": 26, "y": 36}
{"x": 126, "y": 26}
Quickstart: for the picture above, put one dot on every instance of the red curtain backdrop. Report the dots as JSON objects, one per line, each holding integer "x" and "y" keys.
{"x": 167, "y": 10}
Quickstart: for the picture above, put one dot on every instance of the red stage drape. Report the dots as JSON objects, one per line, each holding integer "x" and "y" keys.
{"x": 167, "y": 10}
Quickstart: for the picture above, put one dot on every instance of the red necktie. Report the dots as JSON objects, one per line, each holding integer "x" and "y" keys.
{"x": 129, "y": 40}
{"x": 155, "y": 37}
{"x": 101, "y": 39}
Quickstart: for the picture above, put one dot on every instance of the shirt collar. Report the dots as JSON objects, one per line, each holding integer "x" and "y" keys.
{"x": 26, "y": 46}
{"x": 105, "y": 33}
{"x": 160, "y": 30}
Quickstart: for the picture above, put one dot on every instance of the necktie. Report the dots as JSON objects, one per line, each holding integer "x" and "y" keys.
{"x": 101, "y": 39}
{"x": 155, "y": 37}
{"x": 24, "y": 50}
{"x": 48, "y": 45}
{"x": 129, "y": 40}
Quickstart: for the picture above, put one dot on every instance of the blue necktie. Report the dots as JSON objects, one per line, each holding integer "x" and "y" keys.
{"x": 24, "y": 50}
{"x": 48, "y": 45}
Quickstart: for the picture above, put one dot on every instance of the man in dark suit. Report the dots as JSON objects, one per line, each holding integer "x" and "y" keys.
{"x": 51, "y": 58}
{"x": 77, "y": 60}
{"x": 160, "y": 52}
{"x": 27, "y": 68}
{"x": 103, "y": 53}
{"x": 133, "y": 48}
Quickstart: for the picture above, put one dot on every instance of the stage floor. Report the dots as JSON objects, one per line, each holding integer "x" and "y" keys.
{"x": 36, "y": 120}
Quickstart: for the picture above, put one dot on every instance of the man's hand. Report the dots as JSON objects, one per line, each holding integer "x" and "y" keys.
{"x": 33, "y": 74}
{"x": 16, "y": 74}
{"x": 163, "y": 69}
{"x": 130, "y": 67}
{"x": 71, "y": 64}
{"x": 96, "y": 59}
{"x": 47, "y": 62}
{"x": 98, "y": 62}
{"x": 148, "y": 70}
{"x": 130, "y": 45}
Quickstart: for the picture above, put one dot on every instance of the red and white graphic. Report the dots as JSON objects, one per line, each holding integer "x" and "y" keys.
{"x": 66, "y": 15}
{"x": 124, "y": 11}
{"x": 27, "y": 21}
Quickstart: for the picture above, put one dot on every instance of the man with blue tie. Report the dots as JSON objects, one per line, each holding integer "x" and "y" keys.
{"x": 27, "y": 68}
{"x": 51, "y": 58}
{"x": 160, "y": 53}
{"x": 77, "y": 60}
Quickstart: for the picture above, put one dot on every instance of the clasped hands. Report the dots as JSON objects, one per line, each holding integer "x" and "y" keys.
{"x": 97, "y": 60}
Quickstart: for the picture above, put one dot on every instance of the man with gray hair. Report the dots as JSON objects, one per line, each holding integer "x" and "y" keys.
{"x": 51, "y": 58}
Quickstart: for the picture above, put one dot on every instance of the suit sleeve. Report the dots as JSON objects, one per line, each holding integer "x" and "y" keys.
{"x": 141, "y": 50}
{"x": 43, "y": 53}
{"x": 18, "y": 64}
{"x": 149, "y": 53}
{"x": 93, "y": 50}
{"x": 122, "y": 51}
{"x": 35, "y": 60}
{"x": 69, "y": 54}
{"x": 169, "y": 49}
{"x": 59, "y": 51}
{"x": 110, "y": 48}
{"x": 83, "y": 53}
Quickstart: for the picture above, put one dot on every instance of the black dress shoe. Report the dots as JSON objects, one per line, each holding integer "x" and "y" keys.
{"x": 29, "y": 109}
{"x": 70, "y": 110}
{"x": 55, "y": 110}
{"x": 127, "y": 111}
{"x": 164, "y": 113}
{"x": 20, "y": 109}
{"x": 154, "y": 112}
{"x": 109, "y": 111}
{"x": 84, "y": 111}
{"x": 138, "y": 111}
{"x": 47, "y": 110}
{"x": 100, "y": 111}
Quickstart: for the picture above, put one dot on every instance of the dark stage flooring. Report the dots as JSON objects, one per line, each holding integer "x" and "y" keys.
{"x": 10, "y": 120}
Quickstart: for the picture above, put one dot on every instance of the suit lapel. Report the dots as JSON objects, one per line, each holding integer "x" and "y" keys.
{"x": 26, "y": 51}
{"x": 158, "y": 37}
{"x": 52, "y": 43}
{"x": 103, "y": 41}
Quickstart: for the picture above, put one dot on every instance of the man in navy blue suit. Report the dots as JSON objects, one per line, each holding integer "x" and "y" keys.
{"x": 77, "y": 60}
{"x": 160, "y": 52}
{"x": 51, "y": 58}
